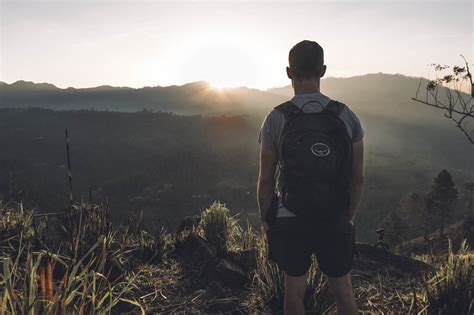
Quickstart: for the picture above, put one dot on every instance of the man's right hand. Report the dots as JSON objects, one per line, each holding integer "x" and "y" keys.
{"x": 265, "y": 225}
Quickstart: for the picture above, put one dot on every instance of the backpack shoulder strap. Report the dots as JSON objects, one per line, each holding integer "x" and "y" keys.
{"x": 334, "y": 107}
{"x": 288, "y": 109}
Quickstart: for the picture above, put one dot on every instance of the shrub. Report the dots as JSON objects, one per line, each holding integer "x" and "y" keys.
{"x": 15, "y": 221}
{"x": 219, "y": 228}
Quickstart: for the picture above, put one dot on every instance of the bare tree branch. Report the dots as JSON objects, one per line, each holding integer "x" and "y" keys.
{"x": 457, "y": 108}
{"x": 465, "y": 113}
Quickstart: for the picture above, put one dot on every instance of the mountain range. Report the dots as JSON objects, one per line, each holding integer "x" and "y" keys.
{"x": 199, "y": 97}
{"x": 188, "y": 99}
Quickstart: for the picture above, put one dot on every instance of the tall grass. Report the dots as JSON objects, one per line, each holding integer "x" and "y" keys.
{"x": 79, "y": 264}
{"x": 152, "y": 245}
{"x": 34, "y": 287}
{"x": 70, "y": 275}
{"x": 451, "y": 289}
{"x": 15, "y": 221}
{"x": 267, "y": 288}
{"x": 267, "y": 284}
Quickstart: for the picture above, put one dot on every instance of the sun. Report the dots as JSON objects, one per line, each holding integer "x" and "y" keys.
{"x": 222, "y": 64}
{"x": 219, "y": 86}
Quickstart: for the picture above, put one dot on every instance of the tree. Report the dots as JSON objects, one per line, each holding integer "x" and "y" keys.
{"x": 446, "y": 92}
{"x": 411, "y": 212}
{"x": 412, "y": 217}
{"x": 428, "y": 211}
{"x": 469, "y": 187}
{"x": 444, "y": 194}
{"x": 395, "y": 228}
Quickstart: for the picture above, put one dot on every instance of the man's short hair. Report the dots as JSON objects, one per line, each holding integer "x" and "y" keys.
{"x": 306, "y": 59}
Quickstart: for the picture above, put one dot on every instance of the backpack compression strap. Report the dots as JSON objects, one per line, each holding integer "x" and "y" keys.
{"x": 288, "y": 109}
{"x": 334, "y": 107}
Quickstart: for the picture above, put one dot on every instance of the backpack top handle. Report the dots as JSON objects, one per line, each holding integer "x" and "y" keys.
{"x": 290, "y": 110}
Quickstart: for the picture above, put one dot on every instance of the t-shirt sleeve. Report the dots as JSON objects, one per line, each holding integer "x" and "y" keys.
{"x": 266, "y": 136}
{"x": 356, "y": 126}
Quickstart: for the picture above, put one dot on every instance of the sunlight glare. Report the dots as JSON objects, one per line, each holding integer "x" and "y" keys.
{"x": 222, "y": 64}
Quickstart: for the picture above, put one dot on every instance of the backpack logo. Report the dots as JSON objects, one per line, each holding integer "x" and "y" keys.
{"x": 320, "y": 149}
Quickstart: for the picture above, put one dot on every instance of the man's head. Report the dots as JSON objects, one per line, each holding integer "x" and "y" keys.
{"x": 306, "y": 62}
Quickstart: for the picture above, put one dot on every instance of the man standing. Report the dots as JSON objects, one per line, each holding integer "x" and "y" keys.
{"x": 310, "y": 182}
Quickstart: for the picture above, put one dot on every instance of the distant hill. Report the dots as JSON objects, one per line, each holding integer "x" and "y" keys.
{"x": 189, "y": 99}
{"x": 26, "y": 86}
{"x": 371, "y": 94}
{"x": 374, "y": 94}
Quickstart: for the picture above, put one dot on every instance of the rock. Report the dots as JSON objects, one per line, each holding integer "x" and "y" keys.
{"x": 113, "y": 270}
{"x": 215, "y": 288}
{"x": 231, "y": 274}
{"x": 372, "y": 259}
{"x": 188, "y": 223}
{"x": 196, "y": 250}
{"x": 226, "y": 306}
{"x": 246, "y": 259}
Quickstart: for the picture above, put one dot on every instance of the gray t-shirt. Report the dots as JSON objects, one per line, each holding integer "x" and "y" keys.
{"x": 270, "y": 132}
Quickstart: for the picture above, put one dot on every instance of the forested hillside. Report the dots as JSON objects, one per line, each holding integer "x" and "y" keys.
{"x": 171, "y": 166}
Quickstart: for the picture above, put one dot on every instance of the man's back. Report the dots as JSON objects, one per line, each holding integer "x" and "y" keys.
{"x": 271, "y": 130}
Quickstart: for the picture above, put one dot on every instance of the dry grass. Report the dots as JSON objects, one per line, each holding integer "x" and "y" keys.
{"x": 451, "y": 290}
{"x": 129, "y": 269}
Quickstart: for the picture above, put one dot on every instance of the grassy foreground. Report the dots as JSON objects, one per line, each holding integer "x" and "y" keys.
{"x": 78, "y": 263}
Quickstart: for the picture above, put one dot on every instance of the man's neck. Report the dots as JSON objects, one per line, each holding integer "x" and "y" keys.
{"x": 304, "y": 87}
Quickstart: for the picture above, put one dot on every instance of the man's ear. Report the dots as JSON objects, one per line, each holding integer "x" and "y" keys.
{"x": 323, "y": 71}
{"x": 289, "y": 73}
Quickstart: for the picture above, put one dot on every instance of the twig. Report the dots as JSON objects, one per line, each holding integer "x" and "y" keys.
{"x": 147, "y": 295}
{"x": 69, "y": 169}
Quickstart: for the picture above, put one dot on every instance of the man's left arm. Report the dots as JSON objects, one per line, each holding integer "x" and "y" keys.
{"x": 266, "y": 182}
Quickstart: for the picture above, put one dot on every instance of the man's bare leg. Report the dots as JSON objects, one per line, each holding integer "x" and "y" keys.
{"x": 294, "y": 294}
{"x": 341, "y": 290}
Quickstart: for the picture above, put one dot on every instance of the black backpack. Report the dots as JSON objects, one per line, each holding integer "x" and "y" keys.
{"x": 315, "y": 162}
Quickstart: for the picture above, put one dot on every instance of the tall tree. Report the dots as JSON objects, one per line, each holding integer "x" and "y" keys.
{"x": 444, "y": 194}
{"x": 469, "y": 188}
{"x": 411, "y": 212}
{"x": 428, "y": 211}
{"x": 395, "y": 228}
{"x": 412, "y": 217}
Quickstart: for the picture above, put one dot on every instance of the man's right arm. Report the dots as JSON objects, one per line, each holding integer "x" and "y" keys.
{"x": 357, "y": 177}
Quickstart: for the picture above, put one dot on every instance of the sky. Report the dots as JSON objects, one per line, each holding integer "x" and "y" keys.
{"x": 227, "y": 43}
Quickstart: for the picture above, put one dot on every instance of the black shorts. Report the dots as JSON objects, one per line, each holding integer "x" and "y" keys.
{"x": 291, "y": 243}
